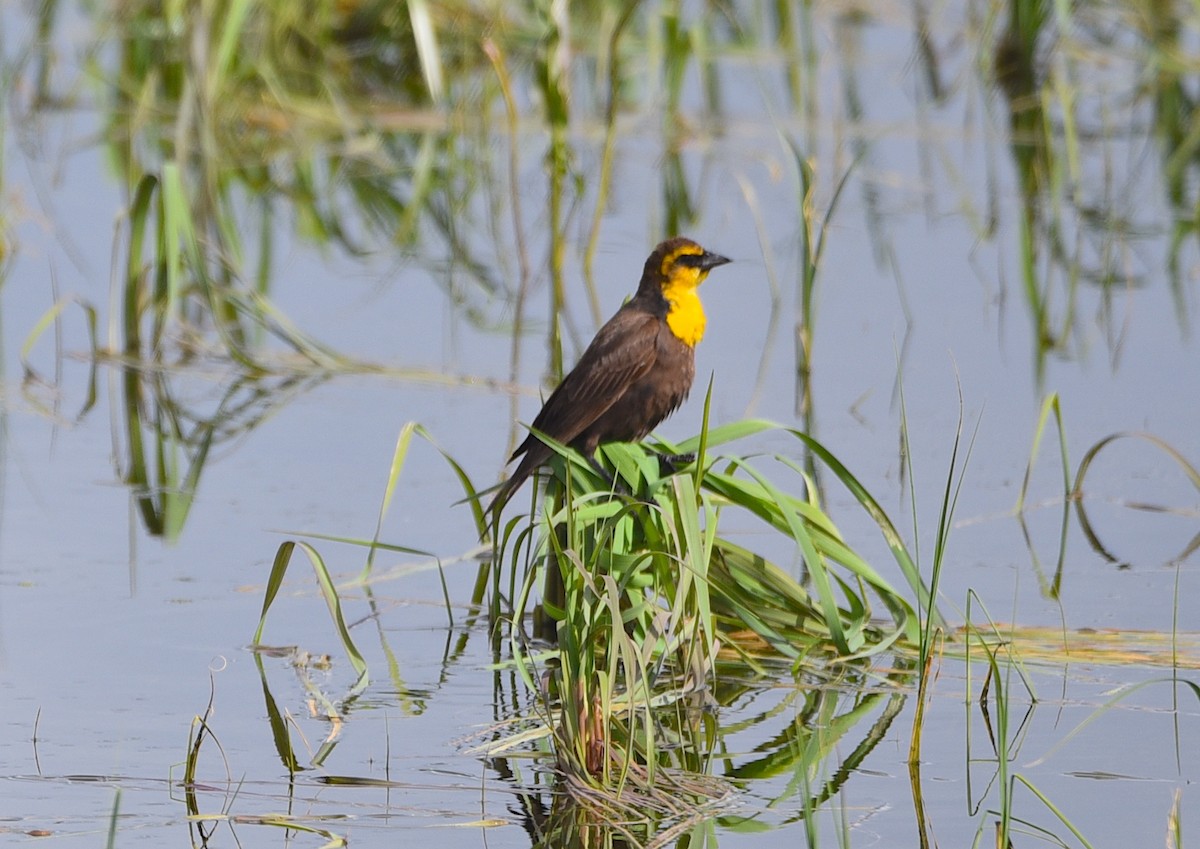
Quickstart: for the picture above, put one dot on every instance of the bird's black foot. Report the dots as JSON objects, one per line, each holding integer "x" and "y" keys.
{"x": 669, "y": 464}
{"x": 616, "y": 484}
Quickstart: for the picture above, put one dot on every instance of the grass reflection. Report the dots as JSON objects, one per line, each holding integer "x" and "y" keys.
{"x": 168, "y": 427}
{"x": 366, "y": 125}
{"x": 233, "y": 114}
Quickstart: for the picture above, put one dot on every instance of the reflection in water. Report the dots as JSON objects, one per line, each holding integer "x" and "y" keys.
{"x": 1174, "y": 126}
{"x": 831, "y": 721}
{"x": 1020, "y": 76}
{"x": 222, "y": 125}
{"x": 1005, "y": 736}
{"x": 831, "y": 727}
{"x": 170, "y": 422}
{"x": 367, "y": 128}
{"x": 1094, "y": 536}
{"x": 1061, "y": 76}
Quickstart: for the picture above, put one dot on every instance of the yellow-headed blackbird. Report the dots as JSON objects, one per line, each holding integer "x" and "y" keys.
{"x": 637, "y": 370}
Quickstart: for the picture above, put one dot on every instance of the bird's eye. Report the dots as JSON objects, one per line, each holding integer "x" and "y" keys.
{"x": 690, "y": 260}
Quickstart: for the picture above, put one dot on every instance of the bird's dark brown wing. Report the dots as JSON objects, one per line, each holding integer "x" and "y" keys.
{"x": 623, "y": 351}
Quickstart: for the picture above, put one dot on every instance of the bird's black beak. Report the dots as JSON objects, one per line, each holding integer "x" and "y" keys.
{"x": 710, "y": 260}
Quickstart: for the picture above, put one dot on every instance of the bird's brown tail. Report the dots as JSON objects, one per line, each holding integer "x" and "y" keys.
{"x": 534, "y": 456}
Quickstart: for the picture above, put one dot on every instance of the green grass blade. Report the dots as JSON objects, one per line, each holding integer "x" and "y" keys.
{"x": 334, "y": 603}
{"x": 1050, "y": 404}
{"x": 328, "y": 592}
{"x": 813, "y": 561}
{"x": 283, "y": 556}
{"x": 399, "y": 455}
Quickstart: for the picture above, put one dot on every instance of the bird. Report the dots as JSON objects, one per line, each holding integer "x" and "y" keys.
{"x": 637, "y": 370}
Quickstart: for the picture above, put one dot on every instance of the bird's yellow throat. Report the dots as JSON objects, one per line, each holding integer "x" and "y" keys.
{"x": 685, "y": 313}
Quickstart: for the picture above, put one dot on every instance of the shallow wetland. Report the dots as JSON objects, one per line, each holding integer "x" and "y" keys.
{"x": 279, "y": 284}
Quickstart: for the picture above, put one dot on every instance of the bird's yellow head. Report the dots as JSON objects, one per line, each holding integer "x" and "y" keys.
{"x": 676, "y": 268}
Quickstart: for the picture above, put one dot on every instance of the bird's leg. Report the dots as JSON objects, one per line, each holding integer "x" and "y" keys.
{"x": 669, "y": 464}
{"x": 600, "y": 470}
{"x": 614, "y": 484}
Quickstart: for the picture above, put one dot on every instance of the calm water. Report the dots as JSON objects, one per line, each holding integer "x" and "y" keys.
{"x": 112, "y": 640}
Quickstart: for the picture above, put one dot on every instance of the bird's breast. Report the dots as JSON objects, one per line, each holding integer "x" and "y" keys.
{"x": 685, "y": 316}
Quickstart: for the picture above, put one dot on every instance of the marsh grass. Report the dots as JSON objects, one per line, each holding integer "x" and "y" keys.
{"x": 812, "y": 235}
{"x": 931, "y": 625}
{"x": 1052, "y": 587}
{"x": 644, "y": 607}
{"x": 643, "y": 597}
{"x": 1004, "y": 666}
{"x": 332, "y": 709}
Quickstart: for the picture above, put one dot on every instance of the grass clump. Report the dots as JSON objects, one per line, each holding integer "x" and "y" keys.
{"x": 644, "y": 598}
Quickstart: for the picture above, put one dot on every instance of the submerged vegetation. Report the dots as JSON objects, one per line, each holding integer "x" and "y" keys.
{"x": 627, "y": 618}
